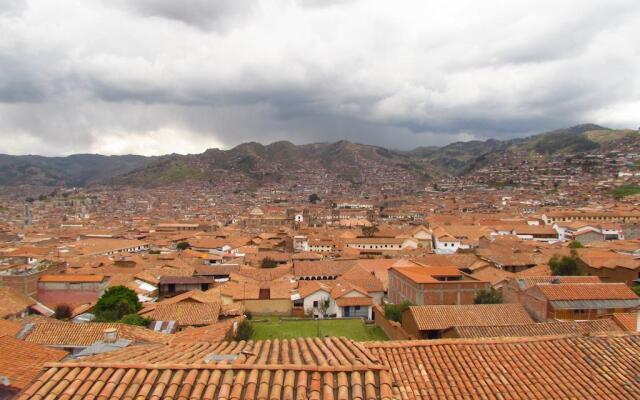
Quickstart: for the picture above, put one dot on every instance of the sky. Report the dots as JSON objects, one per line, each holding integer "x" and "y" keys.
{"x": 163, "y": 76}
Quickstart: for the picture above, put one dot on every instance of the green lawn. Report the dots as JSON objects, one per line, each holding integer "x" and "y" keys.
{"x": 351, "y": 328}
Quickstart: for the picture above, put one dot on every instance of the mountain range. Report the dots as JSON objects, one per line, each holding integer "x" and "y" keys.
{"x": 263, "y": 163}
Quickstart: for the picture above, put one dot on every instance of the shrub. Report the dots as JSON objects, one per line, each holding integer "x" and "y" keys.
{"x": 63, "y": 311}
{"x": 268, "y": 263}
{"x": 488, "y": 296}
{"x": 394, "y": 311}
{"x": 245, "y": 330}
{"x": 566, "y": 266}
{"x": 575, "y": 245}
{"x": 135, "y": 319}
{"x": 115, "y": 303}
{"x": 183, "y": 245}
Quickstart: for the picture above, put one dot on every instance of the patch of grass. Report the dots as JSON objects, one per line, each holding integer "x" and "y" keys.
{"x": 625, "y": 190}
{"x": 351, "y": 328}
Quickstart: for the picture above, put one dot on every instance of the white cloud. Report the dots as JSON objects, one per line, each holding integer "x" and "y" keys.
{"x": 401, "y": 74}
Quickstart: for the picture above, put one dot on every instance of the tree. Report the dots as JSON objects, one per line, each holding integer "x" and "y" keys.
{"x": 488, "y": 296}
{"x": 63, "y": 311}
{"x": 566, "y": 266}
{"x": 636, "y": 289}
{"x": 268, "y": 262}
{"x": 575, "y": 245}
{"x": 183, "y": 245}
{"x": 115, "y": 303}
{"x": 369, "y": 231}
{"x": 323, "y": 306}
{"x": 394, "y": 311}
{"x": 134, "y": 319}
{"x": 245, "y": 330}
{"x": 314, "y": 198}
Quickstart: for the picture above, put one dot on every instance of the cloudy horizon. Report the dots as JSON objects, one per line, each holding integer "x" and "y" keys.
{"x": 155, "y": 77}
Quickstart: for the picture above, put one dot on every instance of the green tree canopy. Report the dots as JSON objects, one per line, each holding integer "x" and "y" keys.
{"x": 394, "y": 311}
{"x": 134, "y": 319}
{"x": 314, "y": 198}
{"x": 115, "y": 303}
{"x": 488, "y": 296}
{"x": 183, "y": 245}
{"x": 566, "y": 266}
{"x": 268, "y": 263}
{"x": 575, "y": 245}
{"x": 369, "y": 231}
{"x": 63, "y": 311}
{"x": 245, "y": 330}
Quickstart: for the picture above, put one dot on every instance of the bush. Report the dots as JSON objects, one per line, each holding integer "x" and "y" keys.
{"x": 268, "y": 263}
{"x": 135, "y": 319}
{"x": 314, "y": 198}
{"x": 575, "y": 245}
{"x": 625, "y": 190}
{"x": 63, "y": 311}
{"x": 115, "y": 303}
{"x": 566, "y": 266}
{"x": 636, "y": 289}
{"x": 183, "y": 245}
{"x": 394, "y": 311}
{"x": 488, "y": 296}
{"x": 245, "y": 331}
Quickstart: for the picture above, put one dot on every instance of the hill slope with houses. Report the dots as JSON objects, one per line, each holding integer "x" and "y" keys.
{"x": 344, "y": 161}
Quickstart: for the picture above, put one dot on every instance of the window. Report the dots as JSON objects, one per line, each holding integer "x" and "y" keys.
{"x": 357, "y": 308}
{"x": 315, "y": 304}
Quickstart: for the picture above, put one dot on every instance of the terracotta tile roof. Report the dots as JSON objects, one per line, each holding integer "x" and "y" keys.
{"x": 263, "y": 274}
{"x": 360, "y": 277}
{"x": 380, "y": 267}
{"x": 442, "y": 317}
{"x": 304, "y": 368}
{"x": 185, "y": 313}
{"x": 342, "y": 288}
{"x": 13, "y": 301}
{"x": 322, "y": 268}
{"x": 602, "y": 259}
{"x": 538, "y": 270}
{"x": 539, "y": 329}
{"x": 627, "y": 321}
{"x": 69, "y": 334}
{"x": 246, "y": 290}
{"x": 306, "y": 288}
{"x": 524, "y": 368}
{"x": 9, "y": 328}
{"x": 447, "y": 260}
{"x": 213, "y": 333}
{"x": 492, "y": 274}
{"x": 354, "y": 301}
{"x": 22, "y": 362}
{"x": 587, "y": 291}
{"x": 505, "y": 256}
{"x": 429, "y": 274}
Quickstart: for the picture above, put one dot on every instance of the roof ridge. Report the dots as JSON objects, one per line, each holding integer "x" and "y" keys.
{"x": 243, "y": 366}
{"x": 462, "y": 341}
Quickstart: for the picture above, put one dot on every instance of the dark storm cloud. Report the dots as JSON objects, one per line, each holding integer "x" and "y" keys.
{"x": 158, "y": 76}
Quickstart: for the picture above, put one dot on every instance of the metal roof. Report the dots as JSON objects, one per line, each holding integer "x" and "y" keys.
{"x": 594, "y": 304}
